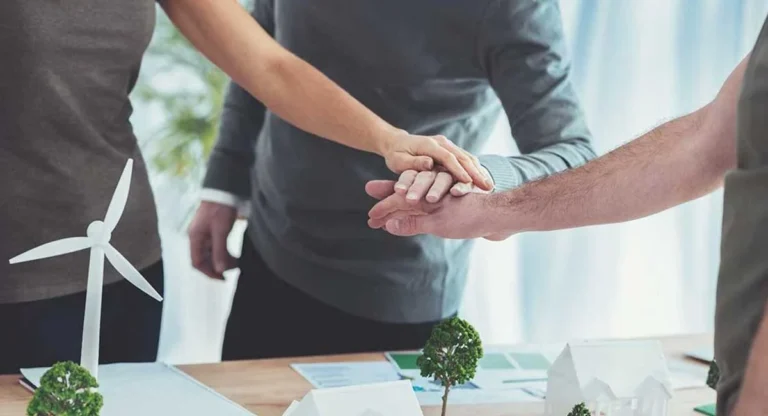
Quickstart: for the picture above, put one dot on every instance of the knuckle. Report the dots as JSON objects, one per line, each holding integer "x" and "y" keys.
{"x": 442, "y": 140}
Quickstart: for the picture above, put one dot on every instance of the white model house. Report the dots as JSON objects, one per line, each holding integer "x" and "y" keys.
{"x": 381, "y": 399}
{"x": 618, "y": 378}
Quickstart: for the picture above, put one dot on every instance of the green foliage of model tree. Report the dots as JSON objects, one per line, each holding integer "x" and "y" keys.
{"x": 451, "y": 354}
{"x": 66, "y": 390}
{"x": 714, "y": 375}
{"x": 580, "y": 410}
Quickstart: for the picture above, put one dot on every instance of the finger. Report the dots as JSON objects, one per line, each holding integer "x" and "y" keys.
{"x": 440, "y": 187}
{"x": 405, "y": 181}
{"x": 200, "y": 252}
{"x": 389, "y": 205}
{"x": 470, "y": 163}
{"x": 381, "y": 222}
{"x": 420, "y": 187}
{"x": 461, "y": 189}
{"x": 450, "y": 162}
{"x": 402, "y": 161}
{"x": 406, "y": 226}
{"x": 222, "y": 260}
{"x": 380, "y": 189}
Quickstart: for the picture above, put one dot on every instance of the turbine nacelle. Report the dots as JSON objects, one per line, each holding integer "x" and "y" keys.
{"x": 98, "y": 233}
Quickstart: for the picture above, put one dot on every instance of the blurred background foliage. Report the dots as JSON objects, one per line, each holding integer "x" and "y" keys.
{"x": 183, "y": 93}
{"x": 188, "y": 133}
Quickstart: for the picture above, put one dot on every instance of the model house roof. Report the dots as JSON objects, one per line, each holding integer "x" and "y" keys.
{"x": 380, "y": 399}
{"x": 616, "y": 369}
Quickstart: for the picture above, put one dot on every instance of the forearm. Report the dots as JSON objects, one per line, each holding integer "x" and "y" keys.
{"x": 753, "y": 399}
{"x": 231, "y": 159}
{"x": 225, "y": 33}
{"x": 679, "y": 161}
{"x": 668, "y": 166}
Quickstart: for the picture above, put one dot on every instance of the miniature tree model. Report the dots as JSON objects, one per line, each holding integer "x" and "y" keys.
{"x": 451, "y": 354}
{"x": 66, "y": 390}
{"x": 580, "y": 410}
{"x": 714, "y": 375}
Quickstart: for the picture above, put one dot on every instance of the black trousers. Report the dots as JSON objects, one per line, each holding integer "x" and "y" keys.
{"x": 41, "y": 333}
{"x": 271, "y": 318}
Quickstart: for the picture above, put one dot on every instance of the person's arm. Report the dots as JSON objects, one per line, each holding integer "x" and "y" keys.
{"x": 678, "y": 161}
{"x": 295, "y": 91}
{"x": 227, "y": 183}
{"x": 521, "y": 47}
{"x": 753, "y": 399}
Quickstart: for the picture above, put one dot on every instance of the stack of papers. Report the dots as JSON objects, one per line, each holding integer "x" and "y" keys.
{"x": 509, "y": 375}
{"x": 428, "y": 392}
{"x": 379, "y": 399}
{"x": 151, "y": 389}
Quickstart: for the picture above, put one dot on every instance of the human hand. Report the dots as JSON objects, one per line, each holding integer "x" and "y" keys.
{"x": 433, "y": 185}
{"x": 405, "y": 152}
{"x": 453, "y": 217}
{"x": 208, "y": 239}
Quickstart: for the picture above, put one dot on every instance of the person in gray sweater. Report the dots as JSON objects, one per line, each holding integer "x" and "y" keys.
{"x": 65, "y": 135}
{"x": 314, "y": 278}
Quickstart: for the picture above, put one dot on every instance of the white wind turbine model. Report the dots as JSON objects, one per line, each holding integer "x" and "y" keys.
{"x": 97, "y": 240}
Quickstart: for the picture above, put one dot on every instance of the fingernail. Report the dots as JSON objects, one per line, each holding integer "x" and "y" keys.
{"x": 400, "y": 186}
{"x": 412, "y": 196}
{"x": 396, "y": 224}
{"x": 432, "y": 198}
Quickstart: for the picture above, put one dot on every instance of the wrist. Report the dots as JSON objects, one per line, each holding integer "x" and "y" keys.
{"x": 386, "y": 139}
{"x": 503, "y": 215}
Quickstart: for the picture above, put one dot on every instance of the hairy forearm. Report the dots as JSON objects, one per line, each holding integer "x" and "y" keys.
{"x": 664, "y": 168}
{"x": 753, "y": 399}
{"x": 291, "y": 88}
{"x": 678, "y": 161}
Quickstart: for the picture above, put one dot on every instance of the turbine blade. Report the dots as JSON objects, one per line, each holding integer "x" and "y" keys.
{"x": 54, "y": 248}
{"x": 119, "y": 198}
{"x": 125, "y": 268}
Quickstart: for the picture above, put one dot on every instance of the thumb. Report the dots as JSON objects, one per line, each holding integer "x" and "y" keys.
{"x": 421, "y": 163}
{"x": 407, "y": 226}
{"x": 400, "y": 162}
{"x": 380, "y": 189}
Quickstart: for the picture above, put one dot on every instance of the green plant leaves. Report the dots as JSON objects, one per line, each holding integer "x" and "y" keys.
{"x": 66, "y": 390}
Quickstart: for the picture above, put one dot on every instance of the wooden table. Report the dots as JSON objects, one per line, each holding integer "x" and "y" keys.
{"x": 266, "y": 387}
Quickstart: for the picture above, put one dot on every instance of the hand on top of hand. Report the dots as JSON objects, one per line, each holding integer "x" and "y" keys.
{"x": 452, "y": 217}
{"x": 433, "y": 185}
{"x": 407, "y": 152}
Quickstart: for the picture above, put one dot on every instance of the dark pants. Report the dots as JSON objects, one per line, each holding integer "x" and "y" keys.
{"x": 41, "y": 333}
{"x": 271, "y": 318}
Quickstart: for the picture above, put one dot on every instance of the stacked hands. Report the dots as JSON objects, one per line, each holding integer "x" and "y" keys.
{"x": 430, "y": 167}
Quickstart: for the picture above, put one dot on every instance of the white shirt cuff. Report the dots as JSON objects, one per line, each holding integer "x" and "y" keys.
{"x": 217, "y": 196}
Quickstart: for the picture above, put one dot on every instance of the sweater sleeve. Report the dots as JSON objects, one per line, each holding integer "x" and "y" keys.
{"x": 521, "y": 47}
{"x": 232, "y": 157}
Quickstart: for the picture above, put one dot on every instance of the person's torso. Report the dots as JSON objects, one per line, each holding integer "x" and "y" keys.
{"x": 67, "y": 70}
{"x": 415, "y": 64}
{"x": 742, "y": 289}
